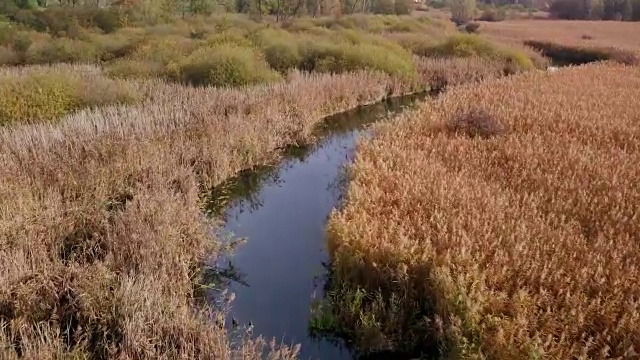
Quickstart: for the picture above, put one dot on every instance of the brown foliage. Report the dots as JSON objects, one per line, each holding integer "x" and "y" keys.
{"x": 521, "y": 246}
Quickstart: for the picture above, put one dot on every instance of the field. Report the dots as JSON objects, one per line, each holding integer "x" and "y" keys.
{"x": 499, "y": 220}
{"x": 578, "y": 33}
{"x": 605, "y": 38}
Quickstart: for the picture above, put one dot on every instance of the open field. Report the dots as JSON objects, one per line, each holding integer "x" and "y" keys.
{"x": 616, "y": 35}
{"x": 499, "y": 221}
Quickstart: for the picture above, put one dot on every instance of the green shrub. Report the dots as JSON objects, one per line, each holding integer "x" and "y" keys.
{"x": 165, "y": 50}
{"x": 228, "y": 37}
{"x": 226, "y": 65}
{"x": 134, "y": 69}
{"x": 282, "y": 56}
{"x": 418, "y": 44}
{"x": 8, "y": 56}
{"x": 50, "y": 94}
{"x": 107, "y": 20}
{"x": 467, "y": 45}
{"x": 493, "y": 14}
{"x": 63, "y": 50}
{"x": 7, "y": 33}
{"x": 337, "y": 58}
{"x": 115, "y": 46}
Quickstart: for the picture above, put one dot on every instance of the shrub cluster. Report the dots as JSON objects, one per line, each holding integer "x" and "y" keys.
{"x": 48, "y": 94}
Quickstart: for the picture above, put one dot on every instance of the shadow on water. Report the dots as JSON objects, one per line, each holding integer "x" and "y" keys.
{"x": 281, "y": 211}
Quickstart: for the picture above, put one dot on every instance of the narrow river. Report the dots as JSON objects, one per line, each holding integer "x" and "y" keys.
{"x": 282, "y": 212}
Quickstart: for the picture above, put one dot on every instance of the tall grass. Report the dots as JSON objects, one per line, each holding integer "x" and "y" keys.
{"x": 102, "y": 236}
{"x": 499, "y": 221}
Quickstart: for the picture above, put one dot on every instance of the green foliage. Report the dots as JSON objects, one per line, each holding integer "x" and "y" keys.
{"x": 226, "y": 65}
{"x": 282, "y": 56}
{"x": 468, "y": 45}
{"x": 106, "y": 20}
{"x": 135, "y": 69}
{"x": 493, "y": 14}
{"x": 8, "y": 56}
{"x": 462, "y": 11}
{"x": 49, "y": 95}
{"x": 62, "y": 50}
{"x": 337, "y": 58}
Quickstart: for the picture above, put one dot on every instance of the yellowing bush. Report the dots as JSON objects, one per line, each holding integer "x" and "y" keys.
{"x": 49, "y": 94}
{"x": 226, "y": 65}
{"x": 467, "y": 45}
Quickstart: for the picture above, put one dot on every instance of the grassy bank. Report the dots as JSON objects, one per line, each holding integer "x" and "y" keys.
{"x": 476, "y": 227}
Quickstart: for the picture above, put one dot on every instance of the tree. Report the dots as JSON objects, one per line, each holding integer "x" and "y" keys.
{"x": 627, "y": 10}
{"x": 462, "y": 11}
{"x": 596, "y": 10}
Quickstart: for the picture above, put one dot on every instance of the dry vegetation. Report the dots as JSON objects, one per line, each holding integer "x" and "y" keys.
{"x": 102, "y": 234}
{"x": 500, "y": 221}
{"x": 101, "y": 230}
{"x": 615, "y": 37}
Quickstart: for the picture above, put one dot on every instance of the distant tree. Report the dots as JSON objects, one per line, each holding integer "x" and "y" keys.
{"x": 627, "y": 10}
{"x": 596, "y": 10}
{"x": 462, "y": 11}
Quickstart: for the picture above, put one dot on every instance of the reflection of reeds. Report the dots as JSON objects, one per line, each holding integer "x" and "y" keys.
{"x": 514, "y": 246}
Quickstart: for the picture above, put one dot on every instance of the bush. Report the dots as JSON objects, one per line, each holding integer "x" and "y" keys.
{"x": 492, "y": 14}
{"x": 472, "y": 27}
{"x": 227, "y": 65}
{"x": 8, "y": 56}
{"x": 63, "y": 50}
{"x": 165, "y": 50}
{"x": 337, "y": 58}
{"x": 467, "y": 45}
{"x": 50, "y": 94}
{"x": 418, "y": 44}
{"x": 282, "y": 56}
{"x": 107, "y": 20}
{"x": 134, "y": 69}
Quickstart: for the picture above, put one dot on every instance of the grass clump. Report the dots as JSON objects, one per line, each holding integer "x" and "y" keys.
{"x": 342, "y": 57}
{"x": 48, "y": 94}
{"x": 227, "y": 65}
{"x": 468, "y": 45}
{"x": 500, "y": 244}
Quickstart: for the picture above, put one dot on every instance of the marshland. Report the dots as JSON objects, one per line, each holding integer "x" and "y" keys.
{"x": 324, "y": 179}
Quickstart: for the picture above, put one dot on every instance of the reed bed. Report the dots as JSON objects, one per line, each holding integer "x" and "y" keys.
{"x": 102, "y": 233}
{"x": 499, "y": 221}
{"x": 614, "y": 37}
{"x": 101, "y": 229}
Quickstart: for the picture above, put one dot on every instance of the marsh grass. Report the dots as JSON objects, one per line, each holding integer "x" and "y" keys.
{"x": 517, "y": 245}
{"x": 578, "y": 55}
{"x": 101, "y": 222}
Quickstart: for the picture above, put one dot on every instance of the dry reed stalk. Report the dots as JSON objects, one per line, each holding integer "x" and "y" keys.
{"x": 523, "y": 244}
